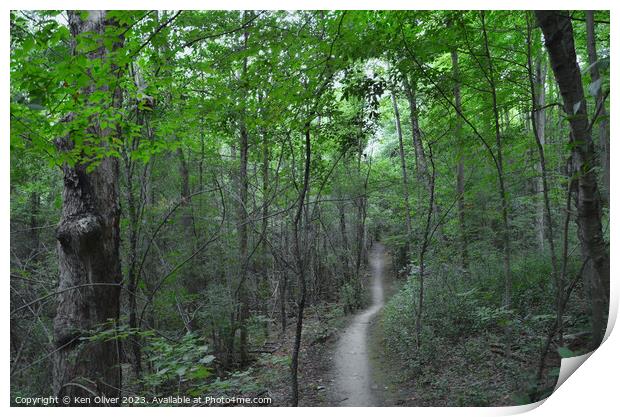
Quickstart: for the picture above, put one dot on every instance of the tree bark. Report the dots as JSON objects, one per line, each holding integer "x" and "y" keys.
{"x": 88, "y": 254}
{"x": 558, "y": 31}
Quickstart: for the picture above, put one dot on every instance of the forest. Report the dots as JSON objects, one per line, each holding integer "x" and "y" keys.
{"x": 313, "y": 208}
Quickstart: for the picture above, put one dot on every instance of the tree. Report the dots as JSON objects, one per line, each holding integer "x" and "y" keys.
{"x": 88, "y": 243}
{"x": 558, "y": 30}
{"x": 460, "y": 167}
{"x": 499, "y": 161}
{"x": 403, "y": 165}
{"x": 537, "y": 115}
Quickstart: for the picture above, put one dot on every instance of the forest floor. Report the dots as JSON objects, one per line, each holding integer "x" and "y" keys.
{"x": 335, "y": 365}
{"x": 316, "y": 382}
{"x": 344, "y": 361}
{"x": 469, "y": 373}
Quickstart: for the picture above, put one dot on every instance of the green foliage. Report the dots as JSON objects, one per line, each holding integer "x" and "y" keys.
{"x": 185, "y": 361}
{"x": 565, "y": 352}
{"x": 350, "y": 297}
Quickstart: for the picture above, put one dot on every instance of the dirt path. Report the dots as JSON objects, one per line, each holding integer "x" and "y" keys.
{"x": 353, "y": 382}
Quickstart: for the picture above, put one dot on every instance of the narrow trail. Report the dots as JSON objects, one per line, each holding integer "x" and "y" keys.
{"x": 354, "y": 384}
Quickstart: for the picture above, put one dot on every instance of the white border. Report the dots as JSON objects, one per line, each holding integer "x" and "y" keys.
{"x": 594, "y": 388}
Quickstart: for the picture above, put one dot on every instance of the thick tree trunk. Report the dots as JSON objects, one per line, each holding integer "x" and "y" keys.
{"x": 558, "y": 32}
{"x": 600, "y": 103}
{"x": 88, "y": 255}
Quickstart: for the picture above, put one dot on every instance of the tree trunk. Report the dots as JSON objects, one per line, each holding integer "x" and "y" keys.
{"x": 537, "y": 115}
{"x": 460, "y": 167}
{"x": 423, "y": 247}
{"x": 283, "y": 279}
{"x": 418, "y": 146}
{"x": 301, "y": 273}
{"x": 35, "y": 205}
{"x": 500, "y": 173}
{"x": 265, "y": 209}
{"x": 88, "y": 255}
{"x": 538, "y": 126}
{"x": 265, "y": 261}
{"x": 242, "y": 226}
{"x": 558, "y": 31}
{"x": 132, "y": 263}
{"x": 420, "y": 157}
{"x": 361, "y": 255}
{"x": 186, "y": 218}
{"x": 344, "y": 250}
{"x": 403, "y": 165}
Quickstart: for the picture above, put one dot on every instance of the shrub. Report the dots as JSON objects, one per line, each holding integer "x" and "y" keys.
{"x": 176, "y": 363}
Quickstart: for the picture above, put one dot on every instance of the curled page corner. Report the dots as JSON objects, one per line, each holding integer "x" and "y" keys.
{"x": 568, "y": 366}
{"x": 522, "y": 409}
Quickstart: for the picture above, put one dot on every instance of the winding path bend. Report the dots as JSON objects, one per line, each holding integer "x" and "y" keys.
{"x": 353, "y": 373}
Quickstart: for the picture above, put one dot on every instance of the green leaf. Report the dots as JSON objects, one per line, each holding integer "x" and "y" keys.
{"x": 199, "y": 373}
{"x": 566, "y": 352}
